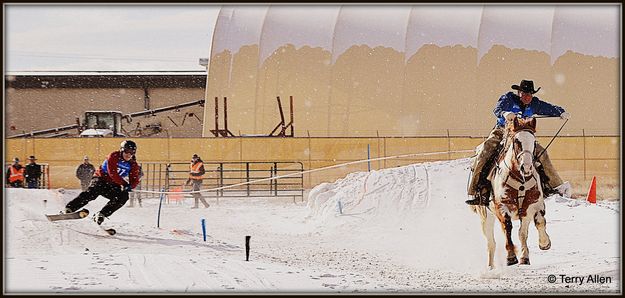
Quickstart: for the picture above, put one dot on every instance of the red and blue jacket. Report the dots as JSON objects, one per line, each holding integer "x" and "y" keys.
{"x": 116, "y": 170}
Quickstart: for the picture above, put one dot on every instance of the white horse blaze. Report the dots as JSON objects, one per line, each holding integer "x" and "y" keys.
{"x": 526, "y": 158}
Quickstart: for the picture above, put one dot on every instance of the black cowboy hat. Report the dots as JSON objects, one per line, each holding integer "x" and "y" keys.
{"x": 526, "y": 86}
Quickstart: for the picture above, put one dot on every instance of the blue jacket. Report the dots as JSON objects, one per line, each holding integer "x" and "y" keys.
{"x": 511, "y": 102}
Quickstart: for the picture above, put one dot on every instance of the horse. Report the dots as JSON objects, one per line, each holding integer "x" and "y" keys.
{"x": 516, "y": 192}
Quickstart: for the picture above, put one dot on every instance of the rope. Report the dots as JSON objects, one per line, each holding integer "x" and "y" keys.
{"x": 309, "y": 171}
{"x": 552, "y": 139}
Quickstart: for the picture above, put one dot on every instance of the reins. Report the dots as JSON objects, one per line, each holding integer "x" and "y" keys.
{"x": 552, "y": 139}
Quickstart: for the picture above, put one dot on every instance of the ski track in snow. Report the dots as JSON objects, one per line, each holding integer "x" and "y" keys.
{"x": 403, "y": 229}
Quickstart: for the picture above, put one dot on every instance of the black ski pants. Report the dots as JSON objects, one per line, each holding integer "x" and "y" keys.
{"x": 98, "y": 187}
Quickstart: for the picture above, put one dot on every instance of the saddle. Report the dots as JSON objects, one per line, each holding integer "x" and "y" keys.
{"x": 491, "y": 167}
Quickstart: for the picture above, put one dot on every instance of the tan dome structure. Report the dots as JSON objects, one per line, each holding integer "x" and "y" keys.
{"x": 411, "y": 70}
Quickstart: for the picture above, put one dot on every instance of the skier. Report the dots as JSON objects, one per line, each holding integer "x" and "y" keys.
{"x": 114, "y": 179}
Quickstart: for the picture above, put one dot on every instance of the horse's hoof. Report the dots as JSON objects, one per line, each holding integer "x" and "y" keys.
{"x": 525, "y": 261}
{"x": 546, "y": 247}
{"x": 512, "y": 261}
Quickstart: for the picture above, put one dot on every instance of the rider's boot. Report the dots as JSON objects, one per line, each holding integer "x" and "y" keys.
{"x": 482, "y": 195}
{"x": 544, "y": 181}
{"x": 481, "y": 198}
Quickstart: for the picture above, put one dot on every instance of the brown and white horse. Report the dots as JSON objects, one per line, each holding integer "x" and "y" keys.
{"x": 517, "y": 193}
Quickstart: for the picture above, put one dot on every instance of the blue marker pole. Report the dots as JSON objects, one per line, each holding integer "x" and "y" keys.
{"x": 340, "y": 207}
{"x": 204, "y": 229}
{"x": 368, "y": 157}
{"x": 160, "y": 203}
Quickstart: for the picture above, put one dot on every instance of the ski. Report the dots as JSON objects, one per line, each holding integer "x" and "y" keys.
{"x": 65, "y": 216}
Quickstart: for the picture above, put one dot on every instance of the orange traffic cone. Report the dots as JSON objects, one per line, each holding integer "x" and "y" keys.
{"x": 592, "y": 192}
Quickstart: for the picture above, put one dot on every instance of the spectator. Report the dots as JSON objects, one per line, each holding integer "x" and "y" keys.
{"x": 196, "y": 173}
{"x": 84, "y": 173}
{"x": 15, "y": 174}
{"x": 32, "y": 173}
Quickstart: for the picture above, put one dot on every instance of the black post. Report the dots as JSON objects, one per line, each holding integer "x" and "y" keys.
{"x": 247, "y": 248}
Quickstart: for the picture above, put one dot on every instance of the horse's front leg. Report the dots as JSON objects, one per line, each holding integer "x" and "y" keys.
{"x": 507, "y": 227}
{"x": 523, "y": 231}
{"x": 544, "y": 242}
{"x": 488, "y": 229}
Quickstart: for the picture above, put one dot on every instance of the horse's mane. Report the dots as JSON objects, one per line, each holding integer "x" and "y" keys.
{"x": 519, "y": 124}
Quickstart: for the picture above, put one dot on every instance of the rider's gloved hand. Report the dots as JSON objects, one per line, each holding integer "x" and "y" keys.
{"x": 509, "y": 116}
{"x": 126, "y": 188}
{"x": 565, "y": 115}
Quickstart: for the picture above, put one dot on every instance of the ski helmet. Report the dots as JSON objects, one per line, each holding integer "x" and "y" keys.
{"x": 128, "y": 145}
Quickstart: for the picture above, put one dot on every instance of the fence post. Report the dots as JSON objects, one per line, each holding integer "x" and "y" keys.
{"x": 368, "y": 157}
{"x": 247, "y": 177}
{"x": 584, "y": 142}
{"x": 167, "y": 169}
{"x": 275, "y": 181}
{"x": 48, "y": 176}
{"x": 221, "y": 178}
{"x": 270, "y": 182}
{"x": 448, "y": 146}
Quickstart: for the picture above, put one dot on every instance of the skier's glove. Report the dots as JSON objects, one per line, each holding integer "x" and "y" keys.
{"x": 127, "y": 188}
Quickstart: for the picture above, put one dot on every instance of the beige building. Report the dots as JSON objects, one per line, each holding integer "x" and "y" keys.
{"x": 36, "y": 101}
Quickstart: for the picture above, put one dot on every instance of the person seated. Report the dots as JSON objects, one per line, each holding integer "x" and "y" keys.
{"x": 509, "y": 105}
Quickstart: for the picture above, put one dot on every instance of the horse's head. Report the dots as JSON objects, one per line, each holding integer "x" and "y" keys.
{"x": 521, "y": 132}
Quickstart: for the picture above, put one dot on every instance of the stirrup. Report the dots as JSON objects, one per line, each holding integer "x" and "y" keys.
{"x": 481, "y": 198}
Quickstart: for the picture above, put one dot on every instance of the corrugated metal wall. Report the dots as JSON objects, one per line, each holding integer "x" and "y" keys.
{"x": 359, "y": 70}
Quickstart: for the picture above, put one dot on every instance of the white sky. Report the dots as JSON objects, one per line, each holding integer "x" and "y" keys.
{"x": 111, "y": 37}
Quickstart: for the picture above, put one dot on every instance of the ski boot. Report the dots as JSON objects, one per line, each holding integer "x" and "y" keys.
{"x": 98, "y": 218}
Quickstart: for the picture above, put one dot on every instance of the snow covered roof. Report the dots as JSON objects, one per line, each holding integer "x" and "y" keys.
{"x": 106, "y": 73}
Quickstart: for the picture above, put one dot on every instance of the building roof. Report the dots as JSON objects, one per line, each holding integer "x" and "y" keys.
{"x": 105, "y": 79}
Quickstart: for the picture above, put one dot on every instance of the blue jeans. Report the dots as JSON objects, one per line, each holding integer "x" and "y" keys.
{"x": 33, "y": 184}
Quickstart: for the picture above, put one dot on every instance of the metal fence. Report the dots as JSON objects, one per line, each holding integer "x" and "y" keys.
{"x": 173, "y": 176}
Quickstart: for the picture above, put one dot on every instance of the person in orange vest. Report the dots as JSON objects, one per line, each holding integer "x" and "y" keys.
{"x": 15, "y": 174}
{"x": 196, "y": 173}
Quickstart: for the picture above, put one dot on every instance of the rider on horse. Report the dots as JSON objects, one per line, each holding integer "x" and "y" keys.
{"x": 508, "y": 106}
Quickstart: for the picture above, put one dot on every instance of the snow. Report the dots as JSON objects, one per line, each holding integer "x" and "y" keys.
{"x": 404, "y": 229}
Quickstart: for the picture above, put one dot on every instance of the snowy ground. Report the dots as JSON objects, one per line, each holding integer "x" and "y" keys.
{"x": 404, "y": 229}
